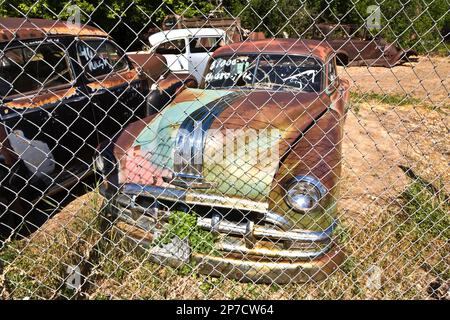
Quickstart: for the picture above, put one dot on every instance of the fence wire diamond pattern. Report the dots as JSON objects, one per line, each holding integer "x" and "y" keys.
{"x": 287, "y": 149}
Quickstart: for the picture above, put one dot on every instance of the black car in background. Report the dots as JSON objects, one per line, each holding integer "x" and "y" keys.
{"x": 64, "y": 89}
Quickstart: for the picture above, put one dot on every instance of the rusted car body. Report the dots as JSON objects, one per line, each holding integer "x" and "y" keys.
{"x": 273, "y": 220}
{"x": 355, "y": 47}
{"x": 64, "y": 88}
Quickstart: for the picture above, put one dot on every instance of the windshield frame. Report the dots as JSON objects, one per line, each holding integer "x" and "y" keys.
{"x": 257, "y": 59}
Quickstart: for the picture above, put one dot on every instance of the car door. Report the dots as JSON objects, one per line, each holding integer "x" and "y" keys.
{"x": 200, "y": 50}
{"x": 175, "y": 52}
{"x": 47, "y": 117}
{"x": 115, "y": 88}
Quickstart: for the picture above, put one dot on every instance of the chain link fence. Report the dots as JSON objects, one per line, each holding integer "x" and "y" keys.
{"x": 306, "y": 159}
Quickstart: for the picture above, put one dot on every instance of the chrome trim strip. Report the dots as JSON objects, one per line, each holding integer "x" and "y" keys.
{"x": 241, "y": 229}
{"x": 190, "y": 141}
{"x": 216, "y": 224}
{"x": 249, "y": 233}
{"x": 192, "y": 197}
{"x": 270, "y": 253}
{"x": 278, "y": 220}
{"x": 256, "y": 271}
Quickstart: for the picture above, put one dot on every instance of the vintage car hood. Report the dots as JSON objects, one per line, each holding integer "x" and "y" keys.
{"x": 158, "y": 151}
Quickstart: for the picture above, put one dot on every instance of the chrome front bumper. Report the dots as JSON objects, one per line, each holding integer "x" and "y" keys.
{"x": 264, "y": 252}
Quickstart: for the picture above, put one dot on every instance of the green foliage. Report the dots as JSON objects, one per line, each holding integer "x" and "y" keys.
{"x": 425, "y": 221}
{"x": 126, "y": 21}
{"x": 415, "y": 23}
{"x": 426, "y": 212}
{"x": 392, "y": 99}
{"x": 184, "y": 225}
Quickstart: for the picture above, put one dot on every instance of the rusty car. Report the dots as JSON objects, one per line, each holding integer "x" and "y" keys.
{"x": 271, "y": 213}
{"x": 354, "y": 46}
{"x": 64, "y": 88}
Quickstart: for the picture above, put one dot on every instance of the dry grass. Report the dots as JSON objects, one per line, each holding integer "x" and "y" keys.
{"x": 410, "y": 254}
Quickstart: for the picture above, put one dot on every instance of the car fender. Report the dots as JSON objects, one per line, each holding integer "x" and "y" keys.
{"x": 317, "y": 153}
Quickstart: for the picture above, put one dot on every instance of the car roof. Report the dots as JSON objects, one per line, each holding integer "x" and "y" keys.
{"x": 316, "y": 48}
{"x": 159, "y": 37}
{"x": 24, "y": 29}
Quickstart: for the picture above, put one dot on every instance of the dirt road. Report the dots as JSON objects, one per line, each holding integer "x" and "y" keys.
{"x": 428, "y": 79}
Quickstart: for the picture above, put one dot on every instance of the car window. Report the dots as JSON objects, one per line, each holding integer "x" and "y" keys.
{"x": 204, "y": 44}
{"x": 100, "y": 57}
{"x": 31, "y": 68}
{"x": 265, "y": 70}
{"x": 172, "y": 47}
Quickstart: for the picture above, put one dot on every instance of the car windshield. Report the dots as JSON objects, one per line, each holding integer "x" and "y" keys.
{"x": 265, "y": 70}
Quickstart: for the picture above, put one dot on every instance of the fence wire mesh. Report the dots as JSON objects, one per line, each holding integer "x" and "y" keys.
{"x": 281, "y": 149}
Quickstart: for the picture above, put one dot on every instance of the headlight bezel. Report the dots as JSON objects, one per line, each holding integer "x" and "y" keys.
{"x": 321, "y": 202}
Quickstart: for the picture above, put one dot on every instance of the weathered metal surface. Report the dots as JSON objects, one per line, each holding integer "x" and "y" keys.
{"x": 287, "y": 114}
{"x": 39, "y": 100}
{"x": 30, "y": 28}
{"x": 114, "y": 79}
{"x": 356, "y": 49}
{"x": 64, "y": 122}
{"x": 151, "y": 157}
{"x": 153, "y": 65}
{"x": 278, "y": 46}
{"x": 154, "y": 159}
{"x": 278, "y": 260}
{"x": 318, "y": 153}
{"x": 240, "y": 268}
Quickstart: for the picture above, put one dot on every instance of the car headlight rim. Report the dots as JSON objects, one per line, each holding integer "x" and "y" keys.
{"x": 303, "y": 190}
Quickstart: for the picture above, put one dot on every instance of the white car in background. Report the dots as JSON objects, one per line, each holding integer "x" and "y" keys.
{"x": 188, "y": 50}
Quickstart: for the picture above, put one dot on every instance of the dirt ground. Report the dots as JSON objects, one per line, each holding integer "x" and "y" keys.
{"x": 428, "y": 79}
{"x": 378, "y": 139}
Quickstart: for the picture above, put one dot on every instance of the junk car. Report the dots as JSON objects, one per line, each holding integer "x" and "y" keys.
{"x": 354, "y": 46}
{"x": 270, "y": 200}
{"x": 64, "y": 88}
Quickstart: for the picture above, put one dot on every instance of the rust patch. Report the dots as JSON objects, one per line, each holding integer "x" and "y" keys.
{"x": 360, "y": 49}
{"x": 39, "y": 100}
{"x": 114, "y": 80}
{"x": 289, "y": 112}
{"x": 318, "y": 153}
{"x": 278, "y": 46}
{"x": 134, "y": 232}
{"x": 23, "y": 29}
{"x": 152, "y": 64}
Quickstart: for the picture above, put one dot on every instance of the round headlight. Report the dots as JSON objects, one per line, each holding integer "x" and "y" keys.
{"x": 304, "y": 193}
